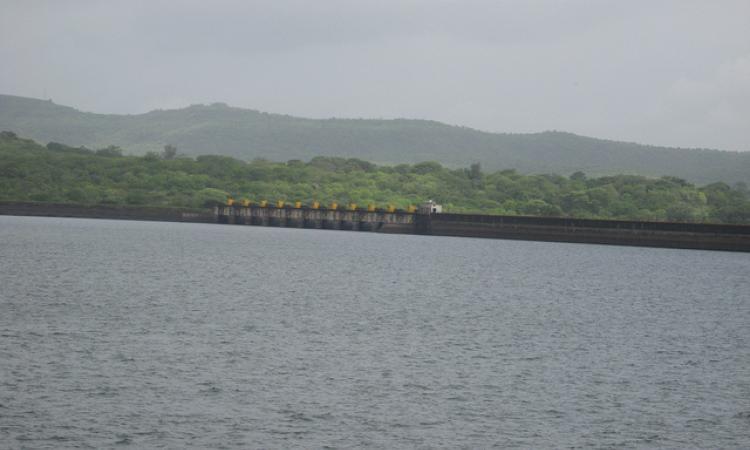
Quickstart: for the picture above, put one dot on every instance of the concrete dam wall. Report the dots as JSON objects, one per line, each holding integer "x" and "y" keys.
{"x": 107, "y": 212}
{"x": 555, "y": 229}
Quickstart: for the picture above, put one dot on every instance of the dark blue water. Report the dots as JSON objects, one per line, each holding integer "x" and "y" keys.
{"x": 116, "y": 334}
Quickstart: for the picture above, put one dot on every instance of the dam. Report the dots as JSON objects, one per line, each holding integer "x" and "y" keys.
{"x": 428, "y": 221}
{"x": 420, "y": 221}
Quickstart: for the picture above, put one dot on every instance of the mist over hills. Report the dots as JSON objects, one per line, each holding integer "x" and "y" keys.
{"x": 249, "y": 134}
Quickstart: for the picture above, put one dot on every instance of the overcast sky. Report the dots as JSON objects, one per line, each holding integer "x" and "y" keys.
{"x": 673, "y": 73}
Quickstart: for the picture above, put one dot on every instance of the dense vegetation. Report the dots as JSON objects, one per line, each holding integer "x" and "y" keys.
{"x": 59, "y": 173}
{"x": 247, "y": 134}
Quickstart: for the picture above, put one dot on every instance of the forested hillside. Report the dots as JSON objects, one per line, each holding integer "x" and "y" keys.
{"x": 60, "y": 173}
{"x": 247, "y": 134}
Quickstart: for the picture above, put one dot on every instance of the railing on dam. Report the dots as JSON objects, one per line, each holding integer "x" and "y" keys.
{"x": 320, "y": 218}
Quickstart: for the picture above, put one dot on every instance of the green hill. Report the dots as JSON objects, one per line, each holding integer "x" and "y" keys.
{"x": 249, "y": 134}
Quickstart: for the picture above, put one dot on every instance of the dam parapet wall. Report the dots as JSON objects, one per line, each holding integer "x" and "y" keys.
{"x": 117, "y": 212}
{"x": 618, "y": 232}
{"x": 555, "y": 229}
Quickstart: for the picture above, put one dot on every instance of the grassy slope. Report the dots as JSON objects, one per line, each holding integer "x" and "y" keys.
{"x": 248, "y": 134}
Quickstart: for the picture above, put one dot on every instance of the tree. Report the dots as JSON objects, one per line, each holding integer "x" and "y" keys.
{"x": 475, "y": 174}
{"x": 110, "y": 151}
{"x": 682, "y": 212}
{"x": 578, "y": 176}
{"x": 475, "y": 171}
{"x": 57, "y": 147}
{"x": 538, "y": 207}
{"x": 151, "y": 156}
{"x": 169, "y": 152}
{"x": 210, "y": 197}
{"x": 426, "y": 167}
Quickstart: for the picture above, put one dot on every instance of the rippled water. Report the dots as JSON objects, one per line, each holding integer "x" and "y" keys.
{"x": 158, "y": 334}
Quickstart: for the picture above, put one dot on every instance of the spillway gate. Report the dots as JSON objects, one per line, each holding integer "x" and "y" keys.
{"x": 319, "y": 218}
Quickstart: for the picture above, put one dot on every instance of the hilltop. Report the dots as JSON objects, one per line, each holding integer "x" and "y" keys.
{"x": 249, "y": 134}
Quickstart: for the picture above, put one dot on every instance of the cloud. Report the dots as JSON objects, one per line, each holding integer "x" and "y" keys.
{"x": 668, "y": 73}
{"x": 709, "y": 110}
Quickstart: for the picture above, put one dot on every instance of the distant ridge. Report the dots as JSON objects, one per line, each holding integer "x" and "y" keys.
{"x": 249, "y": 134}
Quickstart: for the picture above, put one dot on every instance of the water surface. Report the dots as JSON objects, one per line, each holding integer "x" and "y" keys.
{"x": 146, "y": 334}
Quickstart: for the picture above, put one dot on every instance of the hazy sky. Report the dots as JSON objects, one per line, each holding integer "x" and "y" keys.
{"x": 671, "y": 73}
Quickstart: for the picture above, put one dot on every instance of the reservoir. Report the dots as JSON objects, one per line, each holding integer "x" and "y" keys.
{"x": 153, "y": 334}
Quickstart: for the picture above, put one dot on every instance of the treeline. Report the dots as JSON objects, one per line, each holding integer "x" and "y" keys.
{"x": 62, "y": 174}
